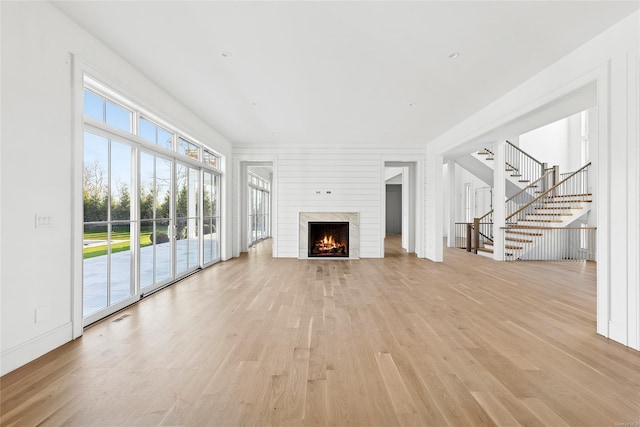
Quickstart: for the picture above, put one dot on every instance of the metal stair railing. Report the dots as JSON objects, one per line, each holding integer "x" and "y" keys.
{"x": 570, "y": 193}
{"x": 530, "y": 192}
{"x": 483, "y": 226}
{"x": 522, "y": 165}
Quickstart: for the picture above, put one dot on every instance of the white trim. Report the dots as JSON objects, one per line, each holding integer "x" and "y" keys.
{"x": 600, "y": 164}
{"x": 633, "y": 221}
{"x": 383, "y": 210}
{"x": 78, "y": 69}
{"x": 240, "y": 197}
{"x": 617, "y": 332}
{"x": 412, "y": 174}
{"x": 15, "y": 357}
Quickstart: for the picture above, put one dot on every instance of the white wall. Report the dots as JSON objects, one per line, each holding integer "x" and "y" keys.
{"x": 557, "y": 143}
{"x": 37, "y": 169}
{"x": 549, "y": 144}
{"x": 327, "y": 179}
{"x": 611, "y": 61}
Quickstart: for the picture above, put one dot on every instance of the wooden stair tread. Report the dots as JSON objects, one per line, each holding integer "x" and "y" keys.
{"x": 564, "y": 201}
{"x": 559, "y": 207}
{"x": 524, "y": 233}
{"x": 571, "y": 195}
{"x": 515, "y": 239}
{"x": 541, "y": 220}
{"x": 485, "y": 250}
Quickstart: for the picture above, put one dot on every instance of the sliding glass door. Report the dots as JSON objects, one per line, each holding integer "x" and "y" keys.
{"x": 169, "y": 220}
{"x": 108, "y": 267}
{"x": 150, "y": 199}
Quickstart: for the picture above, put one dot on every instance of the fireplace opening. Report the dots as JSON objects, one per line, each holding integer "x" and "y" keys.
{"x": 328, "y": 239}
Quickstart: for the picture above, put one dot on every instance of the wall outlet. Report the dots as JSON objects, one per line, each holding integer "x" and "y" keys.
{"x": 43, "y": 221}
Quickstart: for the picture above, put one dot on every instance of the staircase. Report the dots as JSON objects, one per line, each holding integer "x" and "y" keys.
{"x": 521, "y": 168}
{"x": 541, "y": 219}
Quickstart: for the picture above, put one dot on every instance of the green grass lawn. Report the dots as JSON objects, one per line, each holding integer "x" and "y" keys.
{"x": 116, "y": 234}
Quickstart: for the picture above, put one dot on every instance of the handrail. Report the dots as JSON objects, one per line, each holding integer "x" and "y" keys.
{"x": 547, "y": 191}
{"x": 533, "y": 184}
{"x": 524, "y": 152}
{"x": 523, "y": 165}
{"x": 539, "y": 227}
{"x": 485, "y": 215}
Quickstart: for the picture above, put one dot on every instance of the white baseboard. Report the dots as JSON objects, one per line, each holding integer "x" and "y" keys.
{"x": 618, "y": 332}
{"x": 24, "y": 353}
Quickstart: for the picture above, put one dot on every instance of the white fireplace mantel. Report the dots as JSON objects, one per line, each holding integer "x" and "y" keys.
{"x": 353, "y": 218}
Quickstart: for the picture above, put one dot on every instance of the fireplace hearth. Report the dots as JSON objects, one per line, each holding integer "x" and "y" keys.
{"x": 328, "y": 239}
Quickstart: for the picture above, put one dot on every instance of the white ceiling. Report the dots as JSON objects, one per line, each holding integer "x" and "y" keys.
{"x": 339, "y": 73}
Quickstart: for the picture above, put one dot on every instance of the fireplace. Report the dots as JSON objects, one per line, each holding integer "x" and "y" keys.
{"x": 350, "y": 238}
{"x": 328, "y": 239}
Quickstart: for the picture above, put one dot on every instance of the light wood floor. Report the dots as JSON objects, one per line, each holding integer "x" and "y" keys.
{"x": 394, "y": 341}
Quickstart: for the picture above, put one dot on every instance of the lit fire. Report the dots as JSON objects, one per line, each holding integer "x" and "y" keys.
{"x": 329, "y": 245}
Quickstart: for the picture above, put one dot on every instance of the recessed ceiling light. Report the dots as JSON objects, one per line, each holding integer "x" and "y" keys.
{"x": 226, "y": 54}
{"x": 413, "y": 104}
{"x": 454, "y": 55}
{"x": 254, "y": 103}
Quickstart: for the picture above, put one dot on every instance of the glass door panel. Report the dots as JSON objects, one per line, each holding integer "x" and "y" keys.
{"x": 210, "y": 212}
{"x": 107, "y": 250}
{"x": 121, "y": 261}
{"x": 187, "y": 218}
{"x": 121, "y": 266}
{"x": 155, "y": 220}
{"x": 95, "y": 268}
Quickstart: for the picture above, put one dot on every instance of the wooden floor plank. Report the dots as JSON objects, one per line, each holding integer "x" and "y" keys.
{"x": 394, "y": 341}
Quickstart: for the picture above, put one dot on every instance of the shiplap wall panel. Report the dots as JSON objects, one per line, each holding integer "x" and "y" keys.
{"x": 353, "y": 176}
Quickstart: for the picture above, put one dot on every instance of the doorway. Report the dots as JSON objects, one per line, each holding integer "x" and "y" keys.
{"x": 399, "y": 205}
{"x": 394, "y": 209}
{"x": 483, "y": 203}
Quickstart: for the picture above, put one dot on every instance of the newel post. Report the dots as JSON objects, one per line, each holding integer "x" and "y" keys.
{"x": 476, "y": 234}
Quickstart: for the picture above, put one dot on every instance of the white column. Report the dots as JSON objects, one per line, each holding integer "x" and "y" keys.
{"x": 451, "y": 184}
{"x": 434, "y": 208}
{"x": 499, "y": 197}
